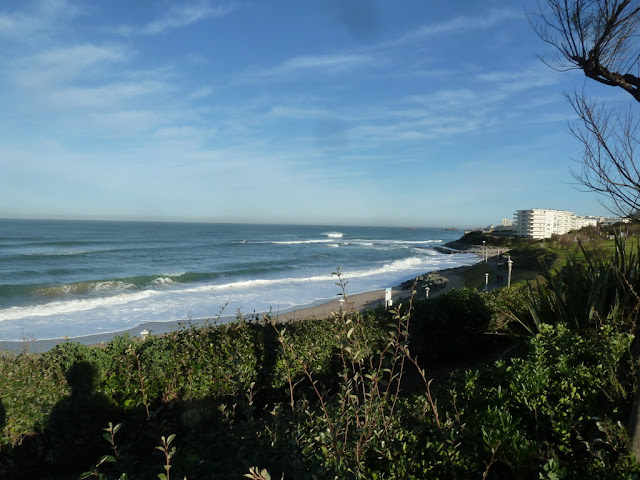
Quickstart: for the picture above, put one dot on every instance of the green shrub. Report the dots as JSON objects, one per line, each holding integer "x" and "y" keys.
{"x": 562, "y": 404}
{"x": 587, "y": 293}
{"x": 447, "y": 326}
{"x": 31, "y": 386}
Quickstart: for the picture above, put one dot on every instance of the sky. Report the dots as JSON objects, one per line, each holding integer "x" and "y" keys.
{"x": 337, "y": 112}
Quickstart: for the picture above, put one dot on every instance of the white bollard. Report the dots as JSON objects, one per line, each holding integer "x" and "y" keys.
{"x": 387, "y": 297}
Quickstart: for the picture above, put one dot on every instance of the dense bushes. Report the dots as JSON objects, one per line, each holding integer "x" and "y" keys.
{"x": 197, "y": 368}
{"x": 448, "y": 326}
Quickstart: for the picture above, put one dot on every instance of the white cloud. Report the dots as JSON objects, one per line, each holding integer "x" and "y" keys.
{"x": 54, "y": 67}
{"x": 298, "y": 112}
{"x": 29, "y": 26}
{"x": 521, "y": 80}
{"x": 129, "y": 121}
{"x": 462, "y": 24}
{"x": 201, "y": 93}
{"x": 417, "y": 130}
{"x": 15, "y": 25}
{"x": 327, "y": 63}
{"x": 80, "y": 56}
{"x": 178, "y": 17}
{"x": 184, "y": 131}
{"x": 103, "y": 96}
{"x": 445, "y": 98}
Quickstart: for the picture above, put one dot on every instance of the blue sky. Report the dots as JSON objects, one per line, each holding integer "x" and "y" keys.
{"x": 358, "y": 112}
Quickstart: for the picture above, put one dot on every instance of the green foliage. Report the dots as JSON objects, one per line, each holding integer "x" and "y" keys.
{"x": 31, "y": 386}
{"x": 447, "y": 326}
{"x": 475, "y": 238}
{"x": 531, "y": 257}
{"x": 505, "y": 305}
{"x": 563, "y": 401}
{"x": 67, "y": 354}
{"x": 587, "y": 293}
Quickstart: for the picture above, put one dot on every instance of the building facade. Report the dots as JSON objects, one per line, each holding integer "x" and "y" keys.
{"x": 541, "y": 223}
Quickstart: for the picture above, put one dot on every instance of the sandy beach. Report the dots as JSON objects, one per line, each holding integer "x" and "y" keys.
{"x": 320, "y": 309}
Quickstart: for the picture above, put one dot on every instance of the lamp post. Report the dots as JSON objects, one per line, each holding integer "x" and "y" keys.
{"x": 486, "y": 282}
{"x": 484, "y": 251}
{"x": 426, "y": 291}
{"x": 509, "y": 266}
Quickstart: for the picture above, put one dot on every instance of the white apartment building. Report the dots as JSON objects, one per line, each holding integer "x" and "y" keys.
{"x": 543, "y": 222}
{"x": 585, "y": 222}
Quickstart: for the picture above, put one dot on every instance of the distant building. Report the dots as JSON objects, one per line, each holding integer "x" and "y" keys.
{"x": 582, "y": 222}
{"x": 611, "y": 220}
{"x": 541, "y": 223}
{"x": 506, "y": 225}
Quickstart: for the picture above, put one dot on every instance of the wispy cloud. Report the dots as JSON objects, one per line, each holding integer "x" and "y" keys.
{"x": 462, "y": 23}
{"x": 298, "y": 112}
{"x": 447, "y": 98}
{"x": 65, "y": 64}
{"x": 103, "y": 96}
{"x": 30, "y": 26}
{"x": 326, "y": 63}
{"x": 522, "y": 79}
{"x": 201, "y": 93}
{"x": 80, "y": 55}
{"x": 131, "y": 121}
{"x": 184, "y": 131}
{"x": 178, "y": 17}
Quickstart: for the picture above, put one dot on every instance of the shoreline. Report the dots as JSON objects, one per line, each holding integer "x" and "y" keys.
{"x": 317, "y": 310}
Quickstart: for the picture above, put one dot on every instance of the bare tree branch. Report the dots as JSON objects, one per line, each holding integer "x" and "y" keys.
{"x": 609, "y": 165}
{"x": 599, "y": 37}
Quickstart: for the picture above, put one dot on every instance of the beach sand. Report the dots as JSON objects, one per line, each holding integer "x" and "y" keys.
{"x": 319, "y": 310}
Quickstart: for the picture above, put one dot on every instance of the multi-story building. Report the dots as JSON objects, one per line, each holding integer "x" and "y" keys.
{"x": 543, "y": 222}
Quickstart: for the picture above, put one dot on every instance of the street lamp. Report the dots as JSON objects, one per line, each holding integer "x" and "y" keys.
{"x": 484, "y": 251}
{"x": 509, "y": 266}
{"x": 426, "y": 291}
{"x": 486, "y": 282}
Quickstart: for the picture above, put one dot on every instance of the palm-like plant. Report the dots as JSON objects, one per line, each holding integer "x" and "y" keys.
{"x": 587, "y": 292}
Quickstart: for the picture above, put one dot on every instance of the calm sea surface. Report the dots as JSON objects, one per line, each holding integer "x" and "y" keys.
{"x": 76, "y": 278}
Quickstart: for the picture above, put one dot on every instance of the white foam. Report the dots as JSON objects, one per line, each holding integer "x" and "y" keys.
{"x": 334, "y": 234}
{"x": 164, "y": 281}
{"x": 299, "y": 242}
{"x": 408, "y": 242}
{"x": 112, "y": 285}
{"x": 72, "y": 306}
{"x": 396, "y": 266}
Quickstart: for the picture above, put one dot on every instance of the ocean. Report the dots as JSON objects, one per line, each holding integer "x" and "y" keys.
{"x": 76, "y": 278}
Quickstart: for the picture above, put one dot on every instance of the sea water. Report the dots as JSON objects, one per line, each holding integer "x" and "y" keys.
{"x": 75, "y": 278}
